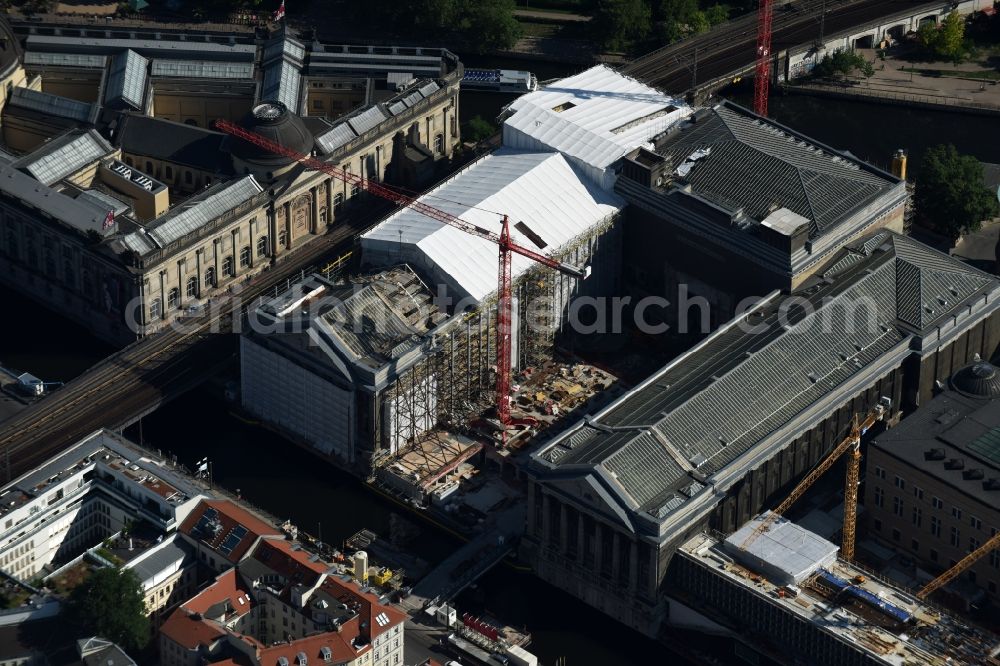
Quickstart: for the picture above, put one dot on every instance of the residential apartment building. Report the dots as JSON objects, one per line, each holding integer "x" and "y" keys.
{"x": 82, "y": 496}
{"x": 932, "y": 483}
{"x": 281, "y": 604}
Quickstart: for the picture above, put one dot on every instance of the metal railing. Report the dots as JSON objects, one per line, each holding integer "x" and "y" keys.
{"x": 864, "y": 93}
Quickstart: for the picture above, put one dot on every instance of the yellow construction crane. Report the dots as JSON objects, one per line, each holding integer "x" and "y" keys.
{"x": 850, "y": 443}
{"x": 960, "y": 566}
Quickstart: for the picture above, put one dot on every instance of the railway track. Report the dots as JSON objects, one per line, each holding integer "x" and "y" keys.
{"x": 156, "y": 368}
{"x": 732, "y": 46}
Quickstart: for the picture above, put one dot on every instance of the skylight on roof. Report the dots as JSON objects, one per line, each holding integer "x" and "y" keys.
{"x": 565, "y": 106}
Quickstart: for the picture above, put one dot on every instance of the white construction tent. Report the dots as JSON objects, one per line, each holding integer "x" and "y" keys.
{"x": 541, "y": 189}
{"x": 593, "y": 118}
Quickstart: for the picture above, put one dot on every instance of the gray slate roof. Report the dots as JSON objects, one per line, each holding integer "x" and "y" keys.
{"x": 705, "y": 410}
{"x": 199, "y": 211}
{"x": 759, "y": 166}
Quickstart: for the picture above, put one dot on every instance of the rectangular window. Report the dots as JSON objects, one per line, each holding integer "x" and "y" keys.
{"x": 879, "y": 497}
{"x": 975, "y": 523}
{"x": 956, "y": 536}
{"x": 897, "y": 506}
{"x": 915, "y": 546}
{"x": 900, "y": 483}
{"x": 956, "y": 513}
{"x": 936, "y": 526}
{"x": 937, "y": 503}
{"x": 973, "y": 543}
{"x": 879, "y": 472}
{"x": 918, "y": 492}
{"x": 895, "y": 534}
{"x": 918, "y": 516}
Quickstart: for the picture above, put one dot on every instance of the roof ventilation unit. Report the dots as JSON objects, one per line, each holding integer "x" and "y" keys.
{"x": 955, "y": 463}
{"x": 934, "y": 454}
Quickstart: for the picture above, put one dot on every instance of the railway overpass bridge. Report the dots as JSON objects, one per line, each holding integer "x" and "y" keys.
{"x": 138, "y": 379}
{"x": 803, "y": 31}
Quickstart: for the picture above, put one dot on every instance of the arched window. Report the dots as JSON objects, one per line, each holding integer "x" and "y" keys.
{"x": 439, "y": 143}
{"x": 154, "y": 309}
{"x": 227, "y": 267}
{"x": 262, "y": 246}
{"x": 210, "y": 276}
{"x": 192, "y": 287}
{"x": 173, "y": 297}
{"x": 245, "y": 257}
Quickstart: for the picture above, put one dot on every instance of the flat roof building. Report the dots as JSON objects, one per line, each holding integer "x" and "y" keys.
{"x": 932, "y": 483}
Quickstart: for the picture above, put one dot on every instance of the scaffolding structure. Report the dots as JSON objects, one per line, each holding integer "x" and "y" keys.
{"x": 455, "y": 381}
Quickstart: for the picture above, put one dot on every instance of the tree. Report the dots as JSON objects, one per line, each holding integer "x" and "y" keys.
{"x": 111, "y": 604}
{"x": 699, "y": 23}
{"x": 950, "y": 195}
{"x": 491, "y": 23}
{"x": 950, "y": 36}
{"x": 867, "y": 70}
{"x": 927, "y": 35}
{"x": 717, "y": 14}
{"x": 620, "y": 23}
{"x": 478, "y": 129}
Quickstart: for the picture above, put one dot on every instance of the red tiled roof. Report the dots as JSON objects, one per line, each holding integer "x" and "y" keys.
{"x": 189, "y": 632}
{"x": 341, "y": 650}
{"x": 376, "y": 617}
{"x": 226, "y": 587}
{"x": 229, "y": 517}
{"x": 294, "y": 565}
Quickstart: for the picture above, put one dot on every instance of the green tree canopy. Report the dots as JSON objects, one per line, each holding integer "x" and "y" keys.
{"x": 620, "y": 23}
{"x": 950, "y": 195}
{"x": 842, "y": 62}
{"x": 950, "y": 36}
{"x": 492, "y": 23}
{"x": 111, "y": 604}
{"x": 717, "y": 14}
{"x": 944, "y": 41}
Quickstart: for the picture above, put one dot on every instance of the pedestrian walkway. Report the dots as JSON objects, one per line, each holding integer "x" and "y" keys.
{"x": 468, "y": 563}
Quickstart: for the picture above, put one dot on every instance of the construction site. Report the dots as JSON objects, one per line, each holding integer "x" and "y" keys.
{"x": 790, "y": 592}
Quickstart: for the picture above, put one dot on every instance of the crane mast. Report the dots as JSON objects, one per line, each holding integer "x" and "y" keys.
{"x": 762, "y": 73}
{"x": 850, "y": 443}
{"x": 503, "y": 240}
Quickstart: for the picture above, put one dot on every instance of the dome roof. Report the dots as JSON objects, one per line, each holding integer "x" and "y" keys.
{"x": 981, "y": 380}
{"x": 273, "y": 121}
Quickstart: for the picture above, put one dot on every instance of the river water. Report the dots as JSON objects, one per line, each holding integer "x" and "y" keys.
{"x": 289, "y": 483}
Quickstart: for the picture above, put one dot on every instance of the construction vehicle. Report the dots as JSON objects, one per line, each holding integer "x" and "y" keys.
{"x": 502, "y": 240}
{"x": 852, "y": 444}
{"x": 960, "y": 566}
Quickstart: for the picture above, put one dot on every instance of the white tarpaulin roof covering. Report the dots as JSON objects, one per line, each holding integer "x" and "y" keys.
{"x": 786, "y": 553}
{"x": 540, "y": 189}
{"x": 594, "y": 117}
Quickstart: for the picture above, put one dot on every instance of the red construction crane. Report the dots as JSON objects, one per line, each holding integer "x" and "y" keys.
{"x": 503, "y": 240}
{"x": 762, "y": 75}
